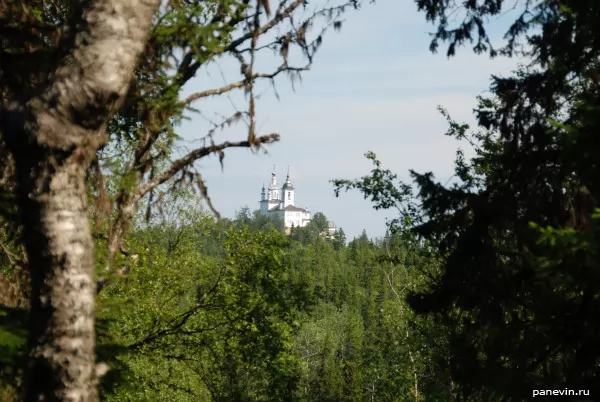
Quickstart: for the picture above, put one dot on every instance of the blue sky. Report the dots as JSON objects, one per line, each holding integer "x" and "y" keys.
{"x": 373, "y": 87}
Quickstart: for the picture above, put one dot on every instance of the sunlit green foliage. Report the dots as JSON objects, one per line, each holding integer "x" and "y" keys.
{"x": 196, "y": 325}
{"x": 237, "y": 311}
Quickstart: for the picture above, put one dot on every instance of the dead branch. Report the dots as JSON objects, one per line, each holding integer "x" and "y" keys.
{"x": 12, "y": 257}
{"x": 241, "y": 84}
{"x": 279, "y": 17}
{"x": 196, "y": 154}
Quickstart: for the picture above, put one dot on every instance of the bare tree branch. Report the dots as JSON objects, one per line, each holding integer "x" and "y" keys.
{"x": 13, "y": 258}
{"x": 241, "y": 84}
{"x": 196, "y": 154}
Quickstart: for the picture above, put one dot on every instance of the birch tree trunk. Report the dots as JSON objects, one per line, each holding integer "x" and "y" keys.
{"x": 61, "y": 363}
{"x": 54, "y": 135}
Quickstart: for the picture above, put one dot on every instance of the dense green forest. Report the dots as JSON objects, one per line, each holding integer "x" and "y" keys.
{"x": 115, "y": 285}
{"x": 237, "y": 310}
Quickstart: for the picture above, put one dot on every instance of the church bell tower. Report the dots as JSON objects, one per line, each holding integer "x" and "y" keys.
{"x": 287, "y": 191}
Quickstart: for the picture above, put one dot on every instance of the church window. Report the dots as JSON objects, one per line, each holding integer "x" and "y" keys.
{"x": 289, "y": 195}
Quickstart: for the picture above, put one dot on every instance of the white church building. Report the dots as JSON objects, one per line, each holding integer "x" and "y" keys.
{"x": 280, "y": 202}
